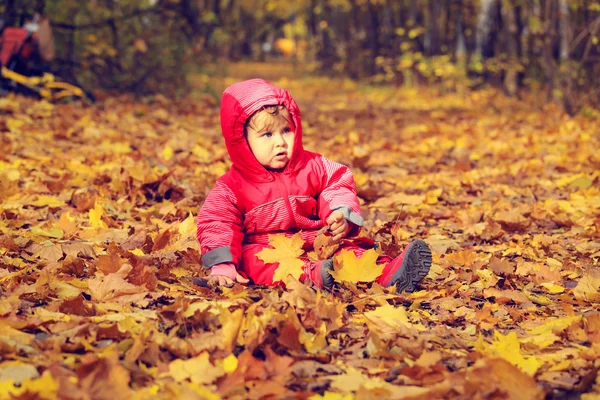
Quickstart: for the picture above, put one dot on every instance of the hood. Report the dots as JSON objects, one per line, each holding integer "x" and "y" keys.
{"x": 238, "y": 103}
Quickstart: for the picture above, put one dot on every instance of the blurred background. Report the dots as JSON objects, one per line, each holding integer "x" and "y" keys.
{"x": 145, "y": 46}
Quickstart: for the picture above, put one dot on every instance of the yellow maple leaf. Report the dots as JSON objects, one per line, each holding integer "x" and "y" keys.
{"x": 285, "y": 252}
{"x": 395, "y": 317}
{"x": 509, "y": 348}
{"x": 63, "y": 289}
{"x": 14, "y": 125}
{"x": 349, "y": 268}
{"x": 95, "y": 216}
{"x": 46, "y": 201}
{"x": 552, "y": 287}
{"x": 314, "y": 342}
{"x": 188, "y": 226}
{"x": 229, "y": 363}
{"x": 44, "y": 387}
{"x": 198, "y": 370}
{"x": 167, "y": 153}
{"x": 431, "y": 197}
{"x": 553, "y": 325}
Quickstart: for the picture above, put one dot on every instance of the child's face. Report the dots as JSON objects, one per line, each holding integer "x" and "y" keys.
{"x": 272, "y": 146}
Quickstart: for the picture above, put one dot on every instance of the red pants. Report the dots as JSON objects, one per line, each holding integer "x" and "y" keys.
{"x": 260, "y": 273}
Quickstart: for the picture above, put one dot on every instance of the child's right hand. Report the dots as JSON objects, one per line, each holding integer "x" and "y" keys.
{"x": 225, "y": 275}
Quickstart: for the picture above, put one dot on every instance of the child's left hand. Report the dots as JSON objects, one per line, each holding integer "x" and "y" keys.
{"x": 338, "y": 226}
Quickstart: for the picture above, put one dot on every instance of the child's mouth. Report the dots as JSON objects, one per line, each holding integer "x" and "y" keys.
{"x": 280, "y": 156}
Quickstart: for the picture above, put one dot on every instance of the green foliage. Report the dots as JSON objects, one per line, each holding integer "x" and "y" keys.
{"x": 125, "y": 46}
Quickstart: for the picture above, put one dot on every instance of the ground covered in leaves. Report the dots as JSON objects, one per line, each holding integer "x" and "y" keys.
{"x": 97, "y": 241}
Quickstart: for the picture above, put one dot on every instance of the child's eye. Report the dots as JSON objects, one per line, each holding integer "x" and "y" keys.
{"x": 267, "y": 134}
{"x": 287, "y": 130}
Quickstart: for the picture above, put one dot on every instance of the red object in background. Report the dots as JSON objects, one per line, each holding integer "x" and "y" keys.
{"x": 16, "y": 41}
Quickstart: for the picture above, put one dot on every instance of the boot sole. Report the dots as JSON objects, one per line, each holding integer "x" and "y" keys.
{"x": 415, "y": 267}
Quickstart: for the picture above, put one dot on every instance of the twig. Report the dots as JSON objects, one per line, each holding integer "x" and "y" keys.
{"x": 582, "y": 35}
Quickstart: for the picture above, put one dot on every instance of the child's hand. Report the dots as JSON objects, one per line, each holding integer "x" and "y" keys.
{"x": 225, "y": 275}
{"x": 338, "y": 225}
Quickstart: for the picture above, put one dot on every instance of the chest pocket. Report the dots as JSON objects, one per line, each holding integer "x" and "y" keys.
{"x": 305, "y": 212}
{"x": 268, "y": 217}
{"x": 304, "y": 206}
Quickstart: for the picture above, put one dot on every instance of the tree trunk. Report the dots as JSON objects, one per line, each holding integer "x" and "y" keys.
{"x": 326, "y": 53}
{"x": 373, "y": 37}
{"x": 512, "y": 46}
{"x": 483, "y": 49}
{"x": 432, "y": 38}
{"x": 549, "y": 33}
{"x": 116, "y": 43}
{"x": 563, "y": 8}
{"x": 565, "y": 39}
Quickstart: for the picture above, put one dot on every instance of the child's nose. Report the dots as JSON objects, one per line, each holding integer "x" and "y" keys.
{"x": 280, "y": 140}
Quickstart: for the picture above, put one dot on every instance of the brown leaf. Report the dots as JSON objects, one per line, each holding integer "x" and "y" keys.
{"x": 289, "y": 337}
{"x": 115, "y": 287}
{"x": 83, "y": 200}
{"x": 429, "y": 358}
{"x": 109, "y": 264}
{"x": 324, "y": 245}
{"x": 77, "y": 306}
{"x": 277, "y": 365}
{"x": 74, "y": 249}
{"x": 52, "y": 252}
{"x": 501, "y": 267}
{"x": 504, "y": 296}
{"x": 588, "y": 287}
{"x": 142, "y": 274}
{"x": 162, "y": 240}
{"x": 511, "y": 220}
{"x": 496, "y": 374}
{"x": 104, "y": 378}
{"x": 138, "y": 240}
{"x": 8, "y": 243}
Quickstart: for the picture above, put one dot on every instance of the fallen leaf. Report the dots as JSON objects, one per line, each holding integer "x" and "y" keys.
{"x": 501, "y": 267}
{"x": 394, "y": 317}
{"x": 509, "y": 348}
{"x": 350, "y": 268}
{"x": 49, "y": 252}
{"x": 95, "y": 216}
{"x": 198, "y": 370}
{"x": 324, "y": 245}
{"x": 114, "y": 287}
{"x": 285, "y": 251}
{"x": 17, "y": 372}
{"x": 588, "y": 286}
{"x": 44, "y": 387}
{"x": 499, "y": 376}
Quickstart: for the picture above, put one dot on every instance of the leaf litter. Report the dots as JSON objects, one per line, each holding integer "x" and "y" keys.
{"x": 97, "y": 246}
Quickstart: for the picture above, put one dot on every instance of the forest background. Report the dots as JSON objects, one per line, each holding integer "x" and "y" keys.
{"x": 548, "y": 47}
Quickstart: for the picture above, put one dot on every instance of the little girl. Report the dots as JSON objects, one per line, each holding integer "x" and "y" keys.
{"x": 275, "y": 186}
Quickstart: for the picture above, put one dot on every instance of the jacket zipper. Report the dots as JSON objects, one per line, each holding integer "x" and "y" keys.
{"x": 286, "y": 199}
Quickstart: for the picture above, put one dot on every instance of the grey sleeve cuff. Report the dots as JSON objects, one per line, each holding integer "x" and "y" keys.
{"x": 350, "y": 215}
{"x": 217, "y": 256}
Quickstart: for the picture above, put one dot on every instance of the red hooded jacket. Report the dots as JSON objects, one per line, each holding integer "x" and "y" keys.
{"x": 249, "y": 201}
